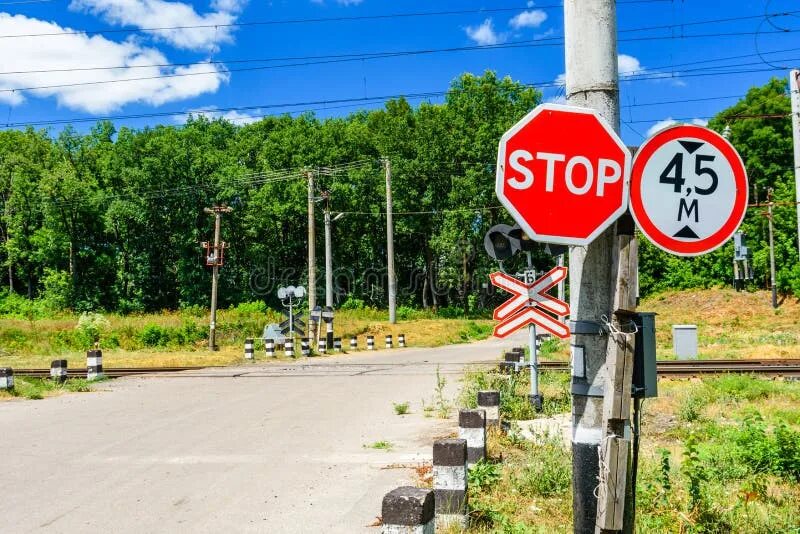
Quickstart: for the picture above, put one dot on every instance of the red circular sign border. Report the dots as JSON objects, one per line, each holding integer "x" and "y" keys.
{"x": 644, "y": 222}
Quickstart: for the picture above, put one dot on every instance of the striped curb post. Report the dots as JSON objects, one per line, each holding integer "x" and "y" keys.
{"x": 472, "y": 427}
{"x": 511, "y": 362}
{"x": 322, "y": 345}
{"x": 389, "y": 341}
{"x": 408, "y": 510}
{"x": 489, "y": 402}
{"x": 337, "y": 344}
{"x": 370, "y": 342}
{"x": 354, "y": 343}
{"x": 94, "y": 364}
{"x": 6, "y": 378}
{"x": 450, "y": 482}
{"x": 401, "y": 341}
{"x": 288, "y": 347}
{"x": 269, "y": 347}
{"x": 58, "y": 370}
{"x": 248, "y": 348}
{"x": 305, "y": 347}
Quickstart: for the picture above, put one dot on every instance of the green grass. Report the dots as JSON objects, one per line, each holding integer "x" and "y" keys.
{"x": 400, "y": 408}
{"x": 39, "y": 388}
{"x": 380, "y": 445}
{"x": 717, "y": 455}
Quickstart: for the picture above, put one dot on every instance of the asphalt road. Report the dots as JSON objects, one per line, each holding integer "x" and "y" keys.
{"x": 264, "y": 447}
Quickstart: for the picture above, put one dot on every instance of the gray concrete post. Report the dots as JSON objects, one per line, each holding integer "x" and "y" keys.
{"x": 450, "y": 482}
{"x": 408, "y": 510}
{"x": 94, "y": 364}
{"x": 472, "y": 428}
{"x": 6, "y": 378}
{"x": 58, "y": 370}
{"x": 489, "y": 401}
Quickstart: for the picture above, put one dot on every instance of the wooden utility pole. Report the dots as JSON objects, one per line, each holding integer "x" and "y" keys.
{"x": 601, "y": 285}
{"x": 772, "y": 284}
{"x": 214, "y": 255}
{"x": 392, "y": 280}
{"x": 312, "y": 247}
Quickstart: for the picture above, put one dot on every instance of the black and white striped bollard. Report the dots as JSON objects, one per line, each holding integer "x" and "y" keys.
{"x": 248, "y": 348}
{"x": 6, "y": 378}
{"x": 389, "y": 341}
{"x": 58, "y": 370}
{"x": 401, "y": 341}
{"x": 472, "y": 427}
{"x": 94, "y": 364}
{"x": 337, "y": 344}
{"x": 408, "y": 510}
{"x": 288, "y": 348}
{"x": 370, "y": 342}
{"x": 305, "y": 346}
{"x": 322, "y": 345}
{"x": 450, "y": 482}
{"x": 354, "y": 343}
{"x": 269, "y": 347}
{"x": 489, "y": 402}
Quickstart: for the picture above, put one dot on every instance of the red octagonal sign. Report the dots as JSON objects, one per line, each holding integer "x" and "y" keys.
{"x": 562, "y": 173}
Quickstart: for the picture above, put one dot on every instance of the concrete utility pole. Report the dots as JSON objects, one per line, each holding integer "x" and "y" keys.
{"x": 312, "y": 248}
{"x": 215, "y": 260}
{"x": 794, "y": 88}
{"x": 390, "y": 244}
{"x": 590, "y": 30}
{"x": 328, "y": 252}
{"x": 772, "y": 285}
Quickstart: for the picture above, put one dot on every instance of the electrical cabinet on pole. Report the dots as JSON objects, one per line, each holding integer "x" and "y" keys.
{"x": 214, "y": 258}
{"x": 794, "y": 89}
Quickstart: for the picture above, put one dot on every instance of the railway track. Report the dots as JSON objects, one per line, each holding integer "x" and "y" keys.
{"x": 668, "y": 368}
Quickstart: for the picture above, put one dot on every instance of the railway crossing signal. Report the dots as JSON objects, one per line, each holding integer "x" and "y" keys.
{"x": 528, "y": 303}
{"x": 688, "y": 190}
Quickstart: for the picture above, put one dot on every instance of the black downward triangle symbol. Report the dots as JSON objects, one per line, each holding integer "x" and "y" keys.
{"x": 686, "y": 233}
{"x": 690, "y": 146}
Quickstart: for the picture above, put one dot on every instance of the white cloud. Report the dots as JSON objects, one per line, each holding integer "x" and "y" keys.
{"x": 528, "y": 19}
{"x": 561, "y": 79}
{"x": 660, "y": 125}
{"x": 72, "y": 52}
{"x": 160, "y": 14}
{"x": 212, "y": 113}
{"x": 628, "y": 65}
{"x": 669, "y": 121}
{"x": 484, "y": 34}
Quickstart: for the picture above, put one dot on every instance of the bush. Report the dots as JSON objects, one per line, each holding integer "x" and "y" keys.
{"x": 252, "y": 308}
{"x": 353, "y": 303}
{"x": 91, "y": 328}
{"x": 57, "y": 294}
{"x": 153, "y": 335}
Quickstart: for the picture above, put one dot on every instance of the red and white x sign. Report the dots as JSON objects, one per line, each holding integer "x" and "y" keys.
{"x": 521, "y": 309}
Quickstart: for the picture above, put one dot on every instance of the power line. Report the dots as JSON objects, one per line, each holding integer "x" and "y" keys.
{"x": 244, "y": 69}
{"x": 335, "y": 58}
{"x": 310, "y": 20}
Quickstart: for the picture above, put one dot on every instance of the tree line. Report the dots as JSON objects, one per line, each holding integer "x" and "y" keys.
{"x": 113, "y": 219}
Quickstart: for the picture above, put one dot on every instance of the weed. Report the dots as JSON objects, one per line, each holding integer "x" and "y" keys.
{"x": 380, "y": 445}
{"x": 483, "y": 473}
{"x": 442, "y": 404}
{"x": 400, "y": 408}
{"x": 549, "y": 470}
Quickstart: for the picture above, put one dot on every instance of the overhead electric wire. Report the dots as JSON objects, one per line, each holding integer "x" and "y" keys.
{"x": 338, "y": 58}
{"x": 314, "y": 20}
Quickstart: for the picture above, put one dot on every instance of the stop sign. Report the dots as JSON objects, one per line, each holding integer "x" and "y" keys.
{"x": 562, "y": 173}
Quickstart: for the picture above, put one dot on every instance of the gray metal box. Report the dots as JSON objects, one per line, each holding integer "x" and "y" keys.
{"x": 684, "y": 341}
{"x": 645, "y": 374}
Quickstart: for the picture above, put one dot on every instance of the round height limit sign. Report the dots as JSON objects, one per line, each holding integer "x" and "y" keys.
{"x": 688, "y": 190}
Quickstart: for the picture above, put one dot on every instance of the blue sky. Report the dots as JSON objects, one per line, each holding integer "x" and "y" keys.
{"x": 658, "y": 55}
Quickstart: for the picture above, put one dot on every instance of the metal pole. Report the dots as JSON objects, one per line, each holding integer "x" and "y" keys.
{"x": 771, "y": 252}
{"x": 212, "y": 327}
{"x": 390, "y": 244}
{"x": 328, "y": 256}
{"x": 794, "y": 88}
{"x": 535, "y": 398}
{"x": 590, "y": 35}
{"x": 312, "y": 248}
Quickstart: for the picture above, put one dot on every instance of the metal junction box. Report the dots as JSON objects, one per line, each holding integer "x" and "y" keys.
{"x": 645, "y": 375}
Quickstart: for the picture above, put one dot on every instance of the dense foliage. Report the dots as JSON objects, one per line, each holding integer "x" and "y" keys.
{"x": 113, "y": 219}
